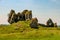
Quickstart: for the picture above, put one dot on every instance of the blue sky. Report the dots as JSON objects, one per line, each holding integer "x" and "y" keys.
{"x": 42, "y": 9}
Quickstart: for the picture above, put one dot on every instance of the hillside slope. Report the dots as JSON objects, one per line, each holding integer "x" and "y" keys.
{"x": 22, "y": 31}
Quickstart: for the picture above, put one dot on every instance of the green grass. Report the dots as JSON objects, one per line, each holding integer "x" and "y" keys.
{"x": 22, "y": 31}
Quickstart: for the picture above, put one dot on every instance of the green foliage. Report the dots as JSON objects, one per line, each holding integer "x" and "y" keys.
{"x": 22, "y": 31}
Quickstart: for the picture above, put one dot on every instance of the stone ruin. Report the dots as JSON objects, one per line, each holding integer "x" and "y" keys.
{"x": 25, "y": 15}
{"x": 34, "y": 23}
{"x": 50, "y": 23}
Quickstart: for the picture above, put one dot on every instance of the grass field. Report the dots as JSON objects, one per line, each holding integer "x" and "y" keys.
{"x": 22, "y": 31}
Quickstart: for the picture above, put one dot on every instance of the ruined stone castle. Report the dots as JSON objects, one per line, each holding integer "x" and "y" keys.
{"x": 23, "y": 16}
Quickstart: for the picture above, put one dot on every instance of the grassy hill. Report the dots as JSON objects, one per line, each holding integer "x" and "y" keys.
{"x": 22, "y": 31}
